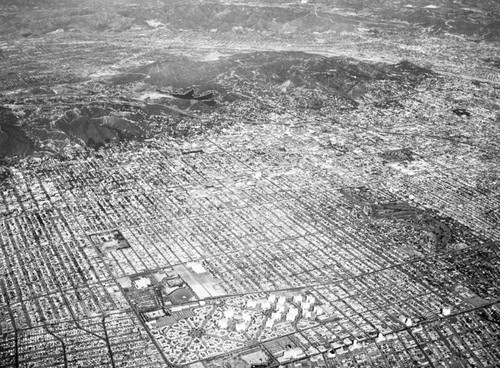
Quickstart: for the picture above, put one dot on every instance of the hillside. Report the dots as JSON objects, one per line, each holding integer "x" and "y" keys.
{"x": 13, "y": 140}
{"x": 291, "y": 79}
{"x": 465, "y": 18}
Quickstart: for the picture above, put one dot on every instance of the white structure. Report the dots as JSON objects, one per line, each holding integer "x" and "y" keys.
{"x": 390, "y": 336}
{"x": 223, "y": 323}
{"x": 291, "y": 354}
{"x": 197, "y": 267}
{"x": 142, "y": 283}
{"x": 445, "y": 311}
{"x": 246, "y": 316}
{"x": 336, "y": 351}
{"x": 309, "y": 315}
{"x": 281, "y": 300}
{"x": 292, "y": 314}
{"x": 241, "y": 327}
{"x": 380, "y": 337}
{"x": 281, "y": 308}
{"x": 318, "y": 310}
{"x": 270, "y": 323}
{"x": 252, "y": 303}
{"x": 229, "y": 313}
{"x": 355, "y": 345}
{"x": 266, "y": 305}
{"x": 298, "y": 299}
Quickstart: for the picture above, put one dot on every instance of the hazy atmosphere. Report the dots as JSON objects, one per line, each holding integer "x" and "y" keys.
{"x": 249, "y": 184}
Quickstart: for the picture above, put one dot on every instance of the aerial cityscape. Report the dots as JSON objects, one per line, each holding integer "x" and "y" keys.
{"x": 249, "y": 183}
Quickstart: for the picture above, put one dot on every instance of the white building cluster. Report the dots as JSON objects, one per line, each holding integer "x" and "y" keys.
{"x": 279, "y": 308}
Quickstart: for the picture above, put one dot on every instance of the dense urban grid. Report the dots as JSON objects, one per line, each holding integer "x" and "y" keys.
{"x": 292, "y": 192}
{"x": 214, "y": 252}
